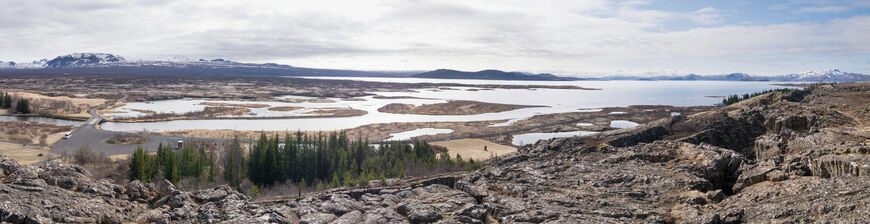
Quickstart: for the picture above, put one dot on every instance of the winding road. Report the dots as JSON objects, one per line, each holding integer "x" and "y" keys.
{"x": 89, "y": 135}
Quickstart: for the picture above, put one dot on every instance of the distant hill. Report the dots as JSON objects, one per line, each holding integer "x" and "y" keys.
{"x": 490, "y": 75}
{"x": 831, "y": 75}
{"x": 102, "y": 63}
{"x": 82, "y": 60}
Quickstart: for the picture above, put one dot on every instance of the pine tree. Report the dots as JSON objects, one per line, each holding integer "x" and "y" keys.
{"x": 255, "y": 191}
{"x": 7, "y": 102}
{"x": 233, "y": 163}
{"x": 175, "y": 174}
{"x": 142, "y": 166}
{"x": 164, "y": 160}
{"x": 23, "y": 106}
{"x": 137, "y": 165}
{"x": 320, "y": 186}
{"x": 212, "y": 167}
{"x": 348, "y": 179}
{"x": 335, "y": 181}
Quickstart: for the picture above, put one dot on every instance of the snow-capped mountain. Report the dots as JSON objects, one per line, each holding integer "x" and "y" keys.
{"x": 14, "y": 65}
{"x": 7, "y": 64}
{"x": 828, "y": 75}
{"x": 83, "y": 60}
{"x": 102, "y": 63}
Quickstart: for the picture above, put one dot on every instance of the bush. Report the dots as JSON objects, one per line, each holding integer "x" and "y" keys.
{"x": 254, "y": 192}
{"x": 85, "y": 155}
{"x": 23, "y": 106}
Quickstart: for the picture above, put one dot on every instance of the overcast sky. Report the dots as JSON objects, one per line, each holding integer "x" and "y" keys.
{"x": 569, "y": 37}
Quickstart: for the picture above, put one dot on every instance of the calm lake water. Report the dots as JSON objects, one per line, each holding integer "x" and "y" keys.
{"x": 418, "y": 132}
{"x": 612, "y": 94}
{"x": 41, "y": 119}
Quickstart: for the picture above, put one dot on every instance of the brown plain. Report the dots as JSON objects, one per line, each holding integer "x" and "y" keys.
{"x": 25, "y": 154}
{"x": 31, "y": 132}
{"x": 455, "y": 107}
{"x": 284, "y": 108}
{"x": 248, "y": 105}
{"x": 77, "y": 107}
{"x": 474, "y": 148}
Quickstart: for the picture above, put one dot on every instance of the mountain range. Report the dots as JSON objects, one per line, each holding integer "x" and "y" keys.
{"x": 490, "y": 75}
{"x": 829, "y": 75}
{"x": 102, "y": 63}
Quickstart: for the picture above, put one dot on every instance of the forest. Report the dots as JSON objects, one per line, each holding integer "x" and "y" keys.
{"x": 324, "y": 160}
{"x": 732, "y": 99}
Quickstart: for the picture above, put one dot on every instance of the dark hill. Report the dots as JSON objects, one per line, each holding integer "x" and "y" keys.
{"x": 490, "y": 75}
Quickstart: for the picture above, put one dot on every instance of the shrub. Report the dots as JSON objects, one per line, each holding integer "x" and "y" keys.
{"x": 85, "y": 155}
{"x": 254, "y": 192}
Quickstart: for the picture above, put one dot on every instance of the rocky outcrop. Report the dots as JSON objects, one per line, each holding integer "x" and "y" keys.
{"x": 644, "y": 135}
{"x": 799, "y": 200}
{"x": 565, "y": 183}
{"x": 56, "y": 192}
{"x": 736, "y": 133}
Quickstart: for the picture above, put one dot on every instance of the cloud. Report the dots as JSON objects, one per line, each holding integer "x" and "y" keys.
{"x": 561, "y": 36}
{"x": 706, "y": 16}
{"x": 778, "y": 7}
{"x": 824, "y": 9}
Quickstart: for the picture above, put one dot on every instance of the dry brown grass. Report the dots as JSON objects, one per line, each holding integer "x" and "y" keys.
{"x": 338, "y": 112}
{"x": 456, "y": 107}
{"x": 371, "y": 132}
{"x": 248, "y": 105}
{"x": 474, "y": 148}
{"x": 61, "y": 106}
{"x": 207, "y": 113}
{"x": 149, "y": 112}
{"x": 119, "y": 157}
{"x": 127, "y": 139}
{"x": 26, "y": 155}
{"x": 31, "y": 132}
{"x": 284, "y": 108}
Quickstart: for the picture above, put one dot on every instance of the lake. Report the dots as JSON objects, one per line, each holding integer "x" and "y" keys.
{"x": 612, "y": 94}
{"x": 41, "y": 119}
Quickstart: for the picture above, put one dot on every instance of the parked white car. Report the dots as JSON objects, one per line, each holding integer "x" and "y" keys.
{"x": 67, "y": 135}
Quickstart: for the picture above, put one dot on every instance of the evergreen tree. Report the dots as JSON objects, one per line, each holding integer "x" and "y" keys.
{"x": 143, "y": 167}
{"x": 331, "y": 159}
{"x": 137, "y": 165}
{"x": 165, "y": 156}
{"x": 7, "y": 102}
{"x": 23, "y": 106}
{"x": 233, "y": 163}
{"x": 212, "y": 167}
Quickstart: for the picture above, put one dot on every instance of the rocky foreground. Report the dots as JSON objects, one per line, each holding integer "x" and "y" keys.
{"x": 784, "y": 157}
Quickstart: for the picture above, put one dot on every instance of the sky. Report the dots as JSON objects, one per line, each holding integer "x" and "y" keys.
{"x": 564, "y": 37}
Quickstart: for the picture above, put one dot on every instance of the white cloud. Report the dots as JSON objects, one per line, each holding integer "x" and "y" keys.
{"x": 562, "y": 36}
{"x": 706, "y": 16}
{"x": 823, "y": 9}
{"x": 778, "y": 7}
